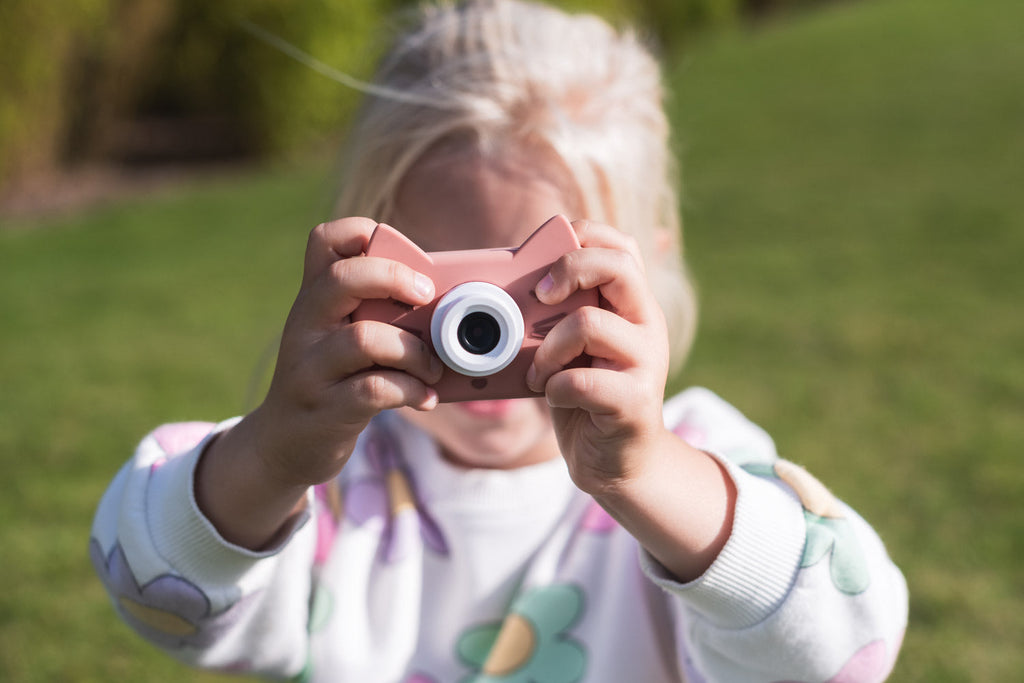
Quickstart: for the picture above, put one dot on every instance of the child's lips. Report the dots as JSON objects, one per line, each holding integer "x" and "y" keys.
{"x": 492, "y": 408}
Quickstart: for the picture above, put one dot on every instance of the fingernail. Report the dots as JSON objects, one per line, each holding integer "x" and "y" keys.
{"x": 531, "y": 376}
{"x": 423, "y": 285}
{"x": 431, "y": 400}
{"x": 545, "y": 285}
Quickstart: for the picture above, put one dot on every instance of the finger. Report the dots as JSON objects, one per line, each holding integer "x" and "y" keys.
{"x": 598, "y": 391}
{"x": 614, "y": 272}
{"x": 363, "y": 395}
{"x": 333, "y": 241}
{"x": 598, "y": 333}
{"x": 369, "y": 344}
{"x": 345, "y": 284}
{"x": 593, "y": 234}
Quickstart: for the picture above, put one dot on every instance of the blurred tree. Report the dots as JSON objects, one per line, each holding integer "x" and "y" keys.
{"x": 233, "y": 93}
{"x": 42, "y": 44}
{"x": 113, "y": 63}
{"x": 145, "y": 81}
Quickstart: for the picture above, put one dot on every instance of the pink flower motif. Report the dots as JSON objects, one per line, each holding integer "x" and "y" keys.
{"x": 868, "y": 664}
{"x": 179, "y": 437}
{"x": 420, "y": 678}
{"x": 326, "y": 524}
{"x": 691, "y": 434}
{"x": 597, "y": 520}
{"x": 871, "y": 664}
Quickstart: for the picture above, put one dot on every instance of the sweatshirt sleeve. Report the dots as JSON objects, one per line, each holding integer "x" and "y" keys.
{"x": 179, "y": 584}
{"x": 803, "y": 590}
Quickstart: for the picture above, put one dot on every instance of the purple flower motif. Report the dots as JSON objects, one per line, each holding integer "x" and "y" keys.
{"x": 389, "y": 494}
{"x": 169, "y": 610}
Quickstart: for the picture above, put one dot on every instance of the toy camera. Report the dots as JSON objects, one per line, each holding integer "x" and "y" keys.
{"x": 485, "y": 323}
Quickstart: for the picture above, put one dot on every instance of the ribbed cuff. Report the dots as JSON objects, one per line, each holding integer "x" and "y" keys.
{"x": 755, "y": 570}
{"x": 182, "y": 534}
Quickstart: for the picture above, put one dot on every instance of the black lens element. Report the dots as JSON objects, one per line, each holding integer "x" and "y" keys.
{"x": 479, "y": 333}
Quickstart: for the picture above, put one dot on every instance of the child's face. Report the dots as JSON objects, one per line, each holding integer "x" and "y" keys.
{"x": 454, "y": 201}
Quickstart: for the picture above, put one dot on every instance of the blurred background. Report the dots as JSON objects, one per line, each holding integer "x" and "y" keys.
{"x": 854, "y": 218}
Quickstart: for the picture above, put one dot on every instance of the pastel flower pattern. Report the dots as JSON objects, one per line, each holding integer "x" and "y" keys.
{"x": 597, "y": 521}
{"x": 693, "y": 431}
{"x": 178, "y": 437}
{"x": 871, "y": 664}
{"x": 169, "y": 610}
{"x": 389, "y": 494}
{"x": 532, "y": 643}
{"x": 829, "y": 533}
{"x": 326, "y": 518}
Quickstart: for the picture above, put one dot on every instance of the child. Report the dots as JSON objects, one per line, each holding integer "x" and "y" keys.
{"x": 353, "y": 529}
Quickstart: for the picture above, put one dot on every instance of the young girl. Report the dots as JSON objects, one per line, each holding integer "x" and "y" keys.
{"x": 351, "y": 528}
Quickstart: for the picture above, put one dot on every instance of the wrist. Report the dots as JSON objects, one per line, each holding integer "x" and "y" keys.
{"x": 245, "y": 500}
{"x": 625, "y": 494}
{"x": 638, "y": 462}
{"x": 679, "y": 505}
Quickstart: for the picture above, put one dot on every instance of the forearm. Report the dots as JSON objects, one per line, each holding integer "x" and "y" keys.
{"x": 247, "y": 503}
{"x": 179, "y": 584}
{"x": 792, "y": 596}
{"x": 679, "y": 506}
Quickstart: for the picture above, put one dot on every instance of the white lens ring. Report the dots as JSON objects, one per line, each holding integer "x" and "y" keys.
{"x": 476, "y": 297}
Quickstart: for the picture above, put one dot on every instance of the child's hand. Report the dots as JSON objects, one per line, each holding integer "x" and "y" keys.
{"x": 607, "y": 416}
{"x": 675, "y": 500}
{"x": 333, "y": 375}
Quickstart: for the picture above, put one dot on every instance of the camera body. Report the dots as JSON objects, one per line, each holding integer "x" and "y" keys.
{"x": 485, "y": 321}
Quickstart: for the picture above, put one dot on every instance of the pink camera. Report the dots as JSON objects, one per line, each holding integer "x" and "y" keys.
{"x": 485, "y": 322}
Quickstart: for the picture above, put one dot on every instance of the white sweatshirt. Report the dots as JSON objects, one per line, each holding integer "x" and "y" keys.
{"x": 434, "y": 574}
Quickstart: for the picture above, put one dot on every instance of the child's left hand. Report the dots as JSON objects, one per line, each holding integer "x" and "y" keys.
{"x": 675, "y": 500}
{"x": 608, "y": 416}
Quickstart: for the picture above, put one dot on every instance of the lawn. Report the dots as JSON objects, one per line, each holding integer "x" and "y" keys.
{"x": 855, "y": 223}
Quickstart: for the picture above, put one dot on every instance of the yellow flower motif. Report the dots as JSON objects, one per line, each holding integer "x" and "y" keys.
{"x": 531, "y": 643}
{"x": 829, "y": 533}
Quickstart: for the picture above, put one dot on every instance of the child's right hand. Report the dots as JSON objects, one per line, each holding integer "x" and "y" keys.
{"x": 332, "y": 376}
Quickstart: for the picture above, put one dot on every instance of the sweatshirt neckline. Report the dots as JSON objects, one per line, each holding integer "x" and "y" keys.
{"x": 529, "y": 490}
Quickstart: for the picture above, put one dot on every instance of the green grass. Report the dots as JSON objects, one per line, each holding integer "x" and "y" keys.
{"x": 113, "y": 321}
{"x": 854, "y": 220}
{"x": 856, "y": 225}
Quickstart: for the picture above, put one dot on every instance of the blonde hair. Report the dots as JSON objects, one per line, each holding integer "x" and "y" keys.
{"x": 495, "y": 73}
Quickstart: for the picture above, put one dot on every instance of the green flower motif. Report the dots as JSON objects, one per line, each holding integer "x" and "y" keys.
{"x": 760, "y": 469}
{"x": 320, "y": 609}
{"x": 847, "y": 565}
{"x": 306, "y": 675}
{"x": 829, "y": 532}
{"x": 530, "y": 645}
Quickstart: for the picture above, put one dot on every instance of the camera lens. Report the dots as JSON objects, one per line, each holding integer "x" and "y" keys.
{"x": 477, "y": 329}
{"x": 479, "y": 333}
